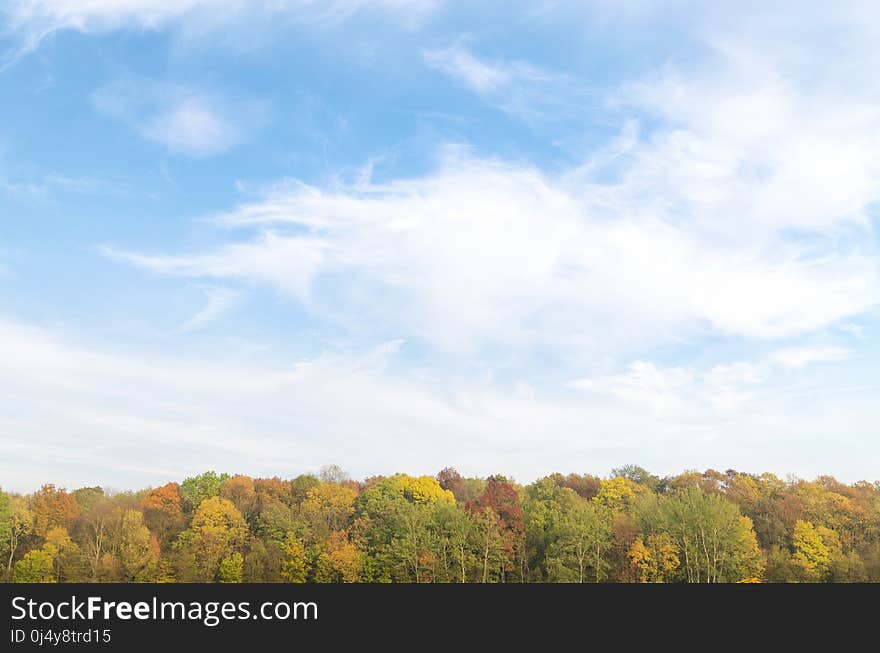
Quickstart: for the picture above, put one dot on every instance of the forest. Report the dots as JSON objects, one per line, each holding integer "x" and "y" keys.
{"x": 629, "y": 527}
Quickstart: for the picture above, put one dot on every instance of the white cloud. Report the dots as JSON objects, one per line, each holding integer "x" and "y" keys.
{"x": 484, "y": 251}
{"x": 32, "y": 21}
{"x": 176, "y": 416}
{"x": 77, "y": 415}
{"x": 644, "y": 385}
{"x": 679, "y": 392}
{"x": 516, "y": 87}
{"x": 182, "y": 119}
{"x": 735, "y": 202}
{"x": 286, "y": 263}
{"x": 220, "y": 301}
{"x": 799, "y": 357}
{"x": 481, "y": 76}
{"x": 722, "y": 390}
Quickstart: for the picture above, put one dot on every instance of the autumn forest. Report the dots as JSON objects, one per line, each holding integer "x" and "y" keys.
{"x": 629, "y": 527}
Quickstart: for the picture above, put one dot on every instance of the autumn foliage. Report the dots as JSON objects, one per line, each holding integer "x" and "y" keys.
{"x": 632, "y": 526}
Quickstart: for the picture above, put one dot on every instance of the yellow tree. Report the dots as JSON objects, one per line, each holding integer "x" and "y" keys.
{"x": 655, "y": 558}
{"x": 67, "y": 559}
{"x": 328, "y": 507}
{"x": 340, "y": 561}
{"x": 217, "y": 530}
{"x": 811, "y": 555}
{"x": 617, "y": 495}
{"x": 231, "y": 569}
{"x": 138, "y": 549}
{"x": 295, "y": 565}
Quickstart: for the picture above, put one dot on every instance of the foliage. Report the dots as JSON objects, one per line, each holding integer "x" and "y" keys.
{"x": 196, "y": 489}
{"x": 630, "y": 527}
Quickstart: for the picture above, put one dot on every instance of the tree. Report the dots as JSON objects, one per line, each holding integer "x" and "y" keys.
{"x": 455, "y": 533}
{"x": 163, "y": 511}
{"x": 638, "y": 475}
{"x": 501, "y": 501}
{"x": 37, "y": 566}
{"x": 715, "y": 542}
{"x": 20, "y": 523}
{"x": 340, "y": 561}
{"x": 5, "y": 522}
{"x": 88, "y": 497}
{"x": 239, "y": 489}
{"x": 389, "y": 513}
{"x": 656, "y": 558}
{"x": 492, "y": 551}
{"x": 231, "y": 569}
{"x": 276, "y": 521}
{"x": 299, "y": 488}
{"x": 196, "y": 489}
{"x": 421, "y": 489}
{"x": 329, "y": 506}
{"x": 333, "y": 474}
{"x": 582, "y": 538}
{"x": 585, "y": 486}
{"x": 138, "y": 548}
{"x": 696, "y": 527}
{"x": 411, "y": 545}
{"x": 217, "y": 530}
{"x": 617, "y": 494}
{"x": 68, "y": 564}
{"x": 810, "y": 554}
{"x": 295, "y": 567}
{"x": 51, "y": 508}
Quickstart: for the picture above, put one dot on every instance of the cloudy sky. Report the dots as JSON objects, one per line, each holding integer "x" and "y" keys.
{"x": 396, "y": 235}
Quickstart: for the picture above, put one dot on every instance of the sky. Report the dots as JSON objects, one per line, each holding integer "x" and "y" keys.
{"x": 395, "y": 235}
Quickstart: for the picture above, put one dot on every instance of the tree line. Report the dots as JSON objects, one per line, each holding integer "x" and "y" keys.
{"x": 632, "y": 526}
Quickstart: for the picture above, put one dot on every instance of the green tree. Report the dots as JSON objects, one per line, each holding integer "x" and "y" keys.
{"x": 196, "y": 489}
{"x": 715, "y": 542}
{"x": 5, "y": 522}
{"x": 583, "y": 536}
{"x": 231, "y": 569}
{"x": 19, "y": 524}
{"x": 37, "y": 566}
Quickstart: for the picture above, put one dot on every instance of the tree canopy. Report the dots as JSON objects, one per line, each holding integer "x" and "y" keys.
{"x": 631, "y": 526}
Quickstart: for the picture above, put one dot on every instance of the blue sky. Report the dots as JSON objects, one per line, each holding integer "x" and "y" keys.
{"x": 398, "y": 235}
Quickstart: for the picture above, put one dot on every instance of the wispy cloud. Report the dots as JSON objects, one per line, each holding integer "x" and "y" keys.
{"x": 516, "y": 87}
{"x": 140, "y": 419}
{"x": 482, "y": 76}
{"x": 680, "y": 391}
{"x": 735, "y": 202}
{"x": 258, "y": 419}
{"x": 30, "y": 22}
{"x": 182, "y": 119}
{"x": 569, "y": 269}
{"x": 722, "y": 389}
{"x": 800, "y": 357}
{"x": 220, "y": 302}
